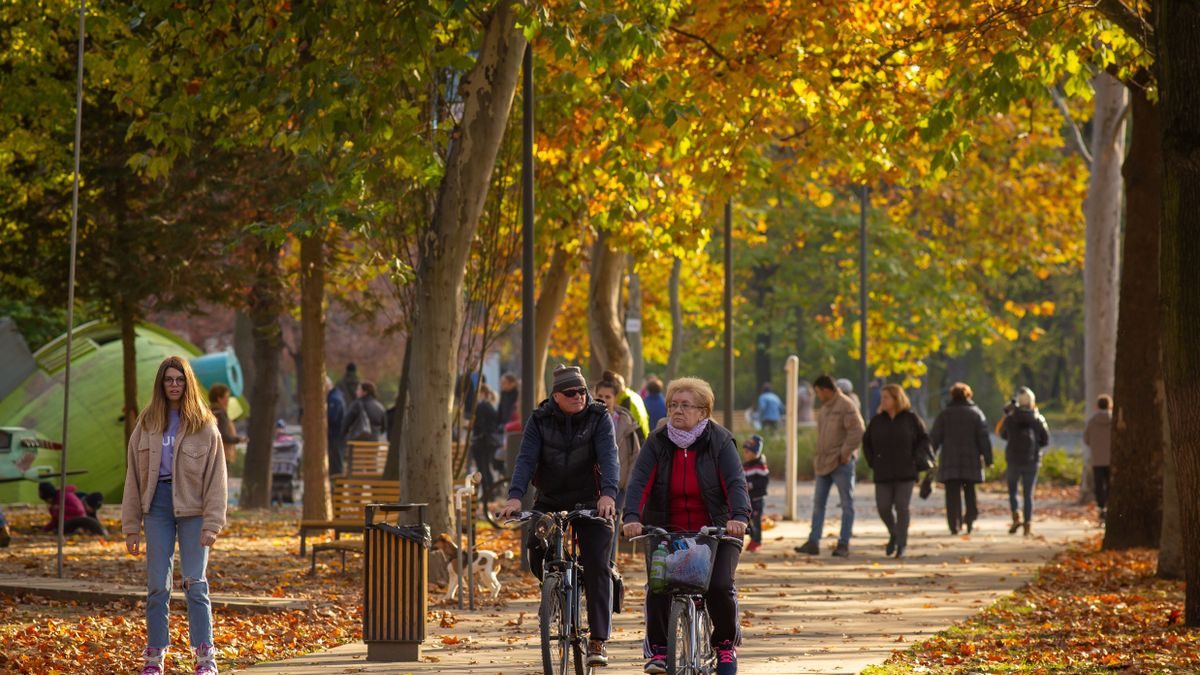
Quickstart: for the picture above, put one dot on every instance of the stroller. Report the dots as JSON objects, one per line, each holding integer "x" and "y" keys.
{"x": 285, "y": 457}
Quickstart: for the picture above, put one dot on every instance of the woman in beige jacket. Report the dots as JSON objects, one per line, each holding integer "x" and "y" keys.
{"x": 175, "y": 489}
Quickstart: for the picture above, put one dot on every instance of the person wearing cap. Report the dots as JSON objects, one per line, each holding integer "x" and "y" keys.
{"x": 839, "y": 433}
{"x": 758, "y": 478}
{"x": 569, "y": 452}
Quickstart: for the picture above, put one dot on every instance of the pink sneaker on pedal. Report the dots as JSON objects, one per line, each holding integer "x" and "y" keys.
{"x": 726, "y": 659}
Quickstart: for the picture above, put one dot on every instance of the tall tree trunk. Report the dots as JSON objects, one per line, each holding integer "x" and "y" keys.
{"x": 243, "y": 347}
{"x": 265, "y": 308}
{"x": 487, "y": 93}
{"x": 394, "y": 467}
{"x": 676, "y": 320}
{"x": 634, "y": 312}
{"x": 129, "y": 367}
{"x": 549, "y": 302}
{"x": 312, "y": 354}
{"x": 1177, "y": 23}
{"x": 1171, "y": 563}
{"x": 610, "y": 351}
{"x": 1101, "y": 269}
{"x": 1136, "y": 498}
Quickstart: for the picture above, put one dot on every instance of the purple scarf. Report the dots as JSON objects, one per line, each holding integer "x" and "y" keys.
{"x": 684, "y": 439}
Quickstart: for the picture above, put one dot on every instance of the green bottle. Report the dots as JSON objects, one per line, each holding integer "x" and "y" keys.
{"x": 658, "y": 569}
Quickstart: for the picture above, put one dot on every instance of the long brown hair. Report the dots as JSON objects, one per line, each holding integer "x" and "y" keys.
{"x": 194, "y": 414}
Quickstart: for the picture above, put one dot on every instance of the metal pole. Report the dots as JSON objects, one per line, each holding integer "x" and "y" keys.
{"x": 528, "y": 303}
{"x": 792, "y": 368}
{"x": 865, "y": 394}
{"x": 62, "y": 471}
{"x": 728, "y": 407}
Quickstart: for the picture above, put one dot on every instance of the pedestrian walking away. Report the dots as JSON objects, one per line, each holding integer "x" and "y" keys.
{"x": 1026, "y": 433}
{"x": 960, "y": 437}
{"x": 366, "y": 418}
{"x": 839, "y": 433}
{"x": 894, "y": 444}
{"x": 758, "y": 479}
{"x": 770, "y": 408}
{"x": 689, "y": 476}
{"x": 175, "y": 491}
{"x": 569, "y": 452}
{"x": 1098, "y": 437}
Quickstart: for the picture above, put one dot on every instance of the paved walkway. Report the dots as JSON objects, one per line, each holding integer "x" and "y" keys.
{"x": 800, "y": 614}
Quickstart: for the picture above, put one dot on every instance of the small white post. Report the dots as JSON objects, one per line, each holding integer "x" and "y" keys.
{"x": 791, "y": 420}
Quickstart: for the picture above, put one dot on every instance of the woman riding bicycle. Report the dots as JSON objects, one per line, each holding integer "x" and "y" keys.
{"x": 569, "y": 451}
{"x": 689, "y": 475}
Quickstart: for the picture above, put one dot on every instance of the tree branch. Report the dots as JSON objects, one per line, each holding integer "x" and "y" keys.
{"x": 1134, "y": 25}
{"x": 716, "y": 52}
{"x": 1076, "y": 134}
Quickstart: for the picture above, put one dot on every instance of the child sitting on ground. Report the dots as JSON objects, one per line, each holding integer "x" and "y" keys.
{"x": 758, "y": 477}
{"x": 76, "y": 513}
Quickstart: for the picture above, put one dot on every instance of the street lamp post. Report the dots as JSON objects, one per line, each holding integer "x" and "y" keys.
{"x": 865, "y": 398}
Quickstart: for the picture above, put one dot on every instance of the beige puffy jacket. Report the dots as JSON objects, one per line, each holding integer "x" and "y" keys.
{"x": 198, "y": 486}
{"x": 839, "y": 433}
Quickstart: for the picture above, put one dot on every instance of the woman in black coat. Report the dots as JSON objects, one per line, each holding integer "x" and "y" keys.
{"x": 891, "y": 444}
{"x": 960, "y": 435}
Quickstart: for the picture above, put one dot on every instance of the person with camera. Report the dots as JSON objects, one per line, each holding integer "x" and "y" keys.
{"x": 689, "y": 475}
{"x": 569, "y": 452}
{"x": 1026, "y": 433}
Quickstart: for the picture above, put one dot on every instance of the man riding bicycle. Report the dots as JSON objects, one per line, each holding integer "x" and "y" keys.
{"x": 689, "y": 475}
{"x": 570, "y": 452}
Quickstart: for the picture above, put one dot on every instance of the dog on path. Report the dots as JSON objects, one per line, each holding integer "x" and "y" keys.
{"x": 485, "y": 566}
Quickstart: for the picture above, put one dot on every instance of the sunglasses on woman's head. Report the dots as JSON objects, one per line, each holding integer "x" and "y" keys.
{"x": 572, "y": 393}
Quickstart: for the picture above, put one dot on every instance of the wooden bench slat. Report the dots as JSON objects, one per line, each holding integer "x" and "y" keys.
{"x": 350, "y": 496}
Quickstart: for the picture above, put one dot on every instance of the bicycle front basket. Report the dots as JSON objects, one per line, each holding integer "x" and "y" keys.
{"x": 690, "y": 563}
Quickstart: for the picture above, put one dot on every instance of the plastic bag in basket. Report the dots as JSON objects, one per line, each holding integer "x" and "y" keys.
{"x": 690, "y": 566}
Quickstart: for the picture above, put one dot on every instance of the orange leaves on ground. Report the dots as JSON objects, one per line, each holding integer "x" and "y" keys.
{"x": 1087, "y": 608}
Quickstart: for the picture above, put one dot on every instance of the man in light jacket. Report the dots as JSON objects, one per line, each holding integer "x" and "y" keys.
{"x": 1098, "y": 437}
{"x": 839, "y": 433}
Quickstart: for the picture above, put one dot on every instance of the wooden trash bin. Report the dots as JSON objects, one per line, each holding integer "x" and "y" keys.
{"x": 395, "y": 582}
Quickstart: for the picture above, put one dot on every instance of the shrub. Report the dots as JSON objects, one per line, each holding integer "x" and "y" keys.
{"x": 775, "y": 449}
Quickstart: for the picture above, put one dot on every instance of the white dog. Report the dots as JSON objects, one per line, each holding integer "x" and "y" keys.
{"x": 486, "y": 567}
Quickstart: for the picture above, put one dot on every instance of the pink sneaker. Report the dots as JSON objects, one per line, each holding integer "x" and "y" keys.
{"x": 152, "y": 661}
{"x": 206, "y": 660}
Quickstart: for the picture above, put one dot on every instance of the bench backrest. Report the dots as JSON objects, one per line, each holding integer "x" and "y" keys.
{"x": 366, "y": 458}
{"x": 351, "y": 495}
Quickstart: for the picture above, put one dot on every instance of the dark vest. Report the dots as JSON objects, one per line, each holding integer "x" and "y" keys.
{"x": 708, "y": 475}
{"x": 567, "y": 472}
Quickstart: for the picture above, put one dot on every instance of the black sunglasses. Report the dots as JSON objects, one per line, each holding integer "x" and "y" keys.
{"x": 572, "y": 393}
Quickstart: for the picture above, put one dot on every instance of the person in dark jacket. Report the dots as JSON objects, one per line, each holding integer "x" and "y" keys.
{"x": 1097, "y": 435}
{"x": 891, "y": 443}
{"x": 485, "y": 437}
{"x": 510, "y": 400}
{"x": 1026, "y": 432}
{"x": 335, "y": 414}
{"x": 960, "y": 436}
{"x": 366, "y": 404}
{"x": 569, "y": 451}
{"x": 758, "y": 479}
{"x": 688, "y": 475}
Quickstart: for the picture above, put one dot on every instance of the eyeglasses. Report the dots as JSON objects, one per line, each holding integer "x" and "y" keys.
{"x": 572, "y": 393}
{"x": 175, "y": 380}
{"x": 684, "y": 406}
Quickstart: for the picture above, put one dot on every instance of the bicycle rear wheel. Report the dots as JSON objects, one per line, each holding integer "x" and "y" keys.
{"x": 681, "y": 638}
{"x": 552, "y": 618}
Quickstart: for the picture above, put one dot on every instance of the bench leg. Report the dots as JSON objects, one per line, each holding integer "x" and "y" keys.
{"x": 312, "y": 570}
{"x": 303, "y": 533}
{"x": 343, "y": 552}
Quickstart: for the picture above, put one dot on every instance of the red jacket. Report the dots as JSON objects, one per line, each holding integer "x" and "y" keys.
{"x": 74, "y": 509}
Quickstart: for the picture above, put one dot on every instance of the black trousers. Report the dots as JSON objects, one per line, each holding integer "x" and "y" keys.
{"x": 86, "y": 524}
{"x": 721, "y": 600}
{"x": 1101, "y": 475}
{"x": 892, "y": 500}
{"x": 595, "y": 543}
{"x": 957, "y": 492}
{"x": 756, "y": 506}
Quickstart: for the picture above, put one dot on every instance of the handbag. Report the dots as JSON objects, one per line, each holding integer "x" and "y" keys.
{"x": 927, "y": 485}
{"x": 923, "y": 456}
{"x": 361, "y": 430}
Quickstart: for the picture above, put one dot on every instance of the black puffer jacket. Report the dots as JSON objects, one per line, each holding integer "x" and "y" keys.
{"x": 572, "y": 459}
{"x": 890, "y": 445}
{"x": 960, "y": 435}
{"x": 1026, "y": 433}
{"x": 718, "y": 471}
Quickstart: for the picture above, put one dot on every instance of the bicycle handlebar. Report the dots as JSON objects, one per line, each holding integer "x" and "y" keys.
{"x": 649, "y": 531}
{"x": 558, "y": 516}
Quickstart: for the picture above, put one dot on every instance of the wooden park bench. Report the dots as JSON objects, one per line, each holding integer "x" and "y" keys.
{"x": 350, "y": 498}
{"x": 365, "y": 458}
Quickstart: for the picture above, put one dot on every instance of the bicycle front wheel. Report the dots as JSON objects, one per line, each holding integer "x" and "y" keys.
{"x": 553, "y": 619}
{"x": 681, "y": 639}
{"x": 706, "y": 655}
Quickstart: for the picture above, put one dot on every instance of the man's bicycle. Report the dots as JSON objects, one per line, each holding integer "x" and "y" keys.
{"x": 564, "y": 638}
{"x": 689, "y": 628}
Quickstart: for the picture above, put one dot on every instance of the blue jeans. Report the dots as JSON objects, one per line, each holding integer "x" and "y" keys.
{"x": 843, "y": 478}
{"x": 1027, "y": 476}
{"x": 162, "y": 530}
